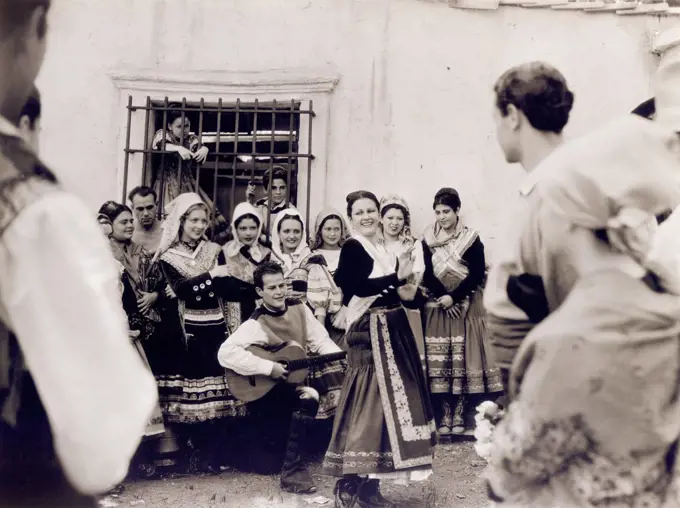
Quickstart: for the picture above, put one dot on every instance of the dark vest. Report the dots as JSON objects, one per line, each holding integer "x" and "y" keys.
{"x": 30, "y": 474}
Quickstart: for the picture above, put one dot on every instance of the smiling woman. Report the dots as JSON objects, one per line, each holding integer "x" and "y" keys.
{"x": 384, "y": 427}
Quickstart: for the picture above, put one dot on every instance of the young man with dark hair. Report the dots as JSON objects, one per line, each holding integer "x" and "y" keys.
{"x": 275, "y": 181}
{"x": 532, "y": 107}
{"x": 287, "y": 407}
{"x": 70, "y": 422}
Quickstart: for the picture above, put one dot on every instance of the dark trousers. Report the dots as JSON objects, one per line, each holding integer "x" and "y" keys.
{"x": 273, "y": 419}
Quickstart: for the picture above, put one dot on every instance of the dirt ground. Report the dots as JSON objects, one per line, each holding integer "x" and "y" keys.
{"x": 456, "y": 483}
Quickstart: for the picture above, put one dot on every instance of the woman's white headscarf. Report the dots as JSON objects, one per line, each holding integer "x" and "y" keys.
{"x": 302, "y": 251}
{"x": 618, "y": 179}
{"x": 234, "y": 246}
{"x": 172, "y": 223}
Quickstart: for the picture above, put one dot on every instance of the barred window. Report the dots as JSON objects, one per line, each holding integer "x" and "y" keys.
{"x": 245, "y": 141}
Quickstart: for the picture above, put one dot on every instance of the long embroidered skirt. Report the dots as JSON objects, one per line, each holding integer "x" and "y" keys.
{"x": 201, "y": 393}
{"x": 458, "y": 353}
{"x": 384, "y": 423}
{"x": 327, "y": 380}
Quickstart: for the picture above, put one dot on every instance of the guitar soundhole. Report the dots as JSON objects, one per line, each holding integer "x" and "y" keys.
{"x": 284, "y": 363}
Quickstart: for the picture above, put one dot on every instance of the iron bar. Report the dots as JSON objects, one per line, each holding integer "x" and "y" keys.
{"x": 161, "y": 197}
{"x": 145, "y": 155}
{"x": 262, "y": 155}
{"x": 232, "y": 203}
{"x": 291, "y": 126}
{"x": 200, "y": 142}
{"x": 309, "y": 161}
{"x": 214, "y": 203}
{"x": 127, "y": 145}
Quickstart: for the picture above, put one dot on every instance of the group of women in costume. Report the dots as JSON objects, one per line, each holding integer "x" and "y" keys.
{"x": 406, "y": 311}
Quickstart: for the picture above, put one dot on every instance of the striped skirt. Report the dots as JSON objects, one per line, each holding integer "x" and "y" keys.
{"x": 457, "y": 351}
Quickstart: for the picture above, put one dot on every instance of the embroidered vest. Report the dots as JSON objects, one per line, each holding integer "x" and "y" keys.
{"x": 289, "y": 326}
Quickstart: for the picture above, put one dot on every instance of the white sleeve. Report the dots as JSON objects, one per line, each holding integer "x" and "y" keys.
{"x": 58, "y": 287}
{"x": 233, "y": 355}
{"x": 317, "y": 337}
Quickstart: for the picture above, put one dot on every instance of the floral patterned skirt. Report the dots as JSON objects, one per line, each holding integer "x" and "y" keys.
{"x": 458, "y": 353}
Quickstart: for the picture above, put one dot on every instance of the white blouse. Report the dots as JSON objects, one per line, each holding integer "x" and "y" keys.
{"x": 58, "y": 293}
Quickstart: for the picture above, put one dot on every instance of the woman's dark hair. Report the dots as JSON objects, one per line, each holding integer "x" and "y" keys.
{"x": 539, "y": 91}
{"x": 113, "y": 209}
{"x": 385, "y": 209}
{"x": 277, "y": 172}
{"x": 447, "y": 196}
{"x": 265, "y": 268}
{"x": 355, "y": 196}
{"x": 174, "y": 114}
{"x": 247, "y": 216}
{"x": 318, "y": 240}
{"x": 293, "y": 217}
{"x": 646, "y": 109}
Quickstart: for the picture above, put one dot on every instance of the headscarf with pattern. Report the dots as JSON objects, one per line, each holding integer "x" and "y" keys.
{"x": 172, "y": 224}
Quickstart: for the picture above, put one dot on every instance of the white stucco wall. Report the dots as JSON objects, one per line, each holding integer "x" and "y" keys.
{"x": 411, "y": 111}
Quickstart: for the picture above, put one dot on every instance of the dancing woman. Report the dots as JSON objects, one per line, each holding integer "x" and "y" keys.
{"x": 384, "y": 428}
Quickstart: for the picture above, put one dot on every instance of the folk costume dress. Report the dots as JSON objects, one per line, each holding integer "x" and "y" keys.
{"x": 205, "y": 395}
{"x": 384, "y": 426}
{"x": 297, "y": 268}
{"x": 242, "y": 260}
{"x": 176, "y": 177}
{"x": 155, "y": 427}
{"x": 458, "y": 356}
{"x": 412, "y": 306}
{"x": 325, "y": 299}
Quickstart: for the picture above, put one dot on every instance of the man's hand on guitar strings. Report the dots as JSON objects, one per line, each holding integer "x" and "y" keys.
{"x": 279, "y": 372}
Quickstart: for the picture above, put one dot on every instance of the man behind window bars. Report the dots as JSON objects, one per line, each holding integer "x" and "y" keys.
{"x": 74, "y": 395}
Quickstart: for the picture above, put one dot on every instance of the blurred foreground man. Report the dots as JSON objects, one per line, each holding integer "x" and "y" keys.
{"x": 74, "y": 395}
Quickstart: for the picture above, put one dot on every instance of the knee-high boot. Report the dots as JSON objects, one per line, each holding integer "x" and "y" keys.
{"x": 295, "y": 476}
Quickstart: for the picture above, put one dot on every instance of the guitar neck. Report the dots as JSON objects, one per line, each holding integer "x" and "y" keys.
{"x": 303, "y": 363}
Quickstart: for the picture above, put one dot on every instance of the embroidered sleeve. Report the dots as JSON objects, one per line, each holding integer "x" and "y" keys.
{"x": 318, "y": 291}
{"x": 188, "y": 288}
{"x": 157, "y": 142}
{"x": 192, "y": 142}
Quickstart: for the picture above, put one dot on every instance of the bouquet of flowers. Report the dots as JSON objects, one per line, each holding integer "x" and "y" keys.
{"x": 488, "y": 415}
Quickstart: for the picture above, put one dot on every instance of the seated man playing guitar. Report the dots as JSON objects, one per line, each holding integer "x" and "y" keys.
{"x": 275, "y": 324}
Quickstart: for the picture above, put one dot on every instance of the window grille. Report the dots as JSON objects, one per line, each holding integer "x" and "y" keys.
{"x": 245, "y": 140}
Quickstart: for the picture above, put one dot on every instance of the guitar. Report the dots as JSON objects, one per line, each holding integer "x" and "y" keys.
{"x": 289, "y": 354}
